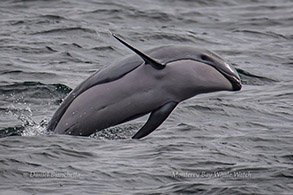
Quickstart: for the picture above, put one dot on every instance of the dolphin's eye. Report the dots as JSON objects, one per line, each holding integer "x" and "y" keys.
{"x": 205, "y": 58}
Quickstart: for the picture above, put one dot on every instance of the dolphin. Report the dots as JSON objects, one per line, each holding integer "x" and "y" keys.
{"x": 154, "y": 81}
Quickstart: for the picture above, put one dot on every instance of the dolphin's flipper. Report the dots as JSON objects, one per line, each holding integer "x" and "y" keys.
{"x": 156, "y": 118}
{"x": 148, "y": 60}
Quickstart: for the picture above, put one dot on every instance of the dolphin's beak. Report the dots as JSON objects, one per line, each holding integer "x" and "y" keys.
{"x": 235, "y": 81}
{"x": 232, "y": 75}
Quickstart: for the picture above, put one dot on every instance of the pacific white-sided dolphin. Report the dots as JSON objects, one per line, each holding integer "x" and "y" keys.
{"x": 153, "y": 82}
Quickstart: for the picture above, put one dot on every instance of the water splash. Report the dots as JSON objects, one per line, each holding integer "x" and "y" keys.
{"x": 28, "y": 127}
{"x": 21, "y": 111}
{"x": 125, "y": 131}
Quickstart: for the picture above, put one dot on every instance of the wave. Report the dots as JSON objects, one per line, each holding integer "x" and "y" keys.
{"x": 252, "y": 79}
{"x": 31, "y": 86}
{"x": 65, "y": 30}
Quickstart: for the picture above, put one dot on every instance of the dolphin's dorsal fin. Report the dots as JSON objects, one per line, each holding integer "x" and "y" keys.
{"x": 148, "y": 60}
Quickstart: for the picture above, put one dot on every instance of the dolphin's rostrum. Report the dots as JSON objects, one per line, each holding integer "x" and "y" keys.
{"x": 153, "y": 82}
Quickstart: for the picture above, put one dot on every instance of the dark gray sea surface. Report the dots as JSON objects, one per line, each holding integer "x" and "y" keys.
{"x": 218, "y": 143}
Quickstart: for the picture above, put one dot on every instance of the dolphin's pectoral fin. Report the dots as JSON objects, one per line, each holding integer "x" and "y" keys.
{"x": 148, "y": 60}
{"x": 156, "y": 118}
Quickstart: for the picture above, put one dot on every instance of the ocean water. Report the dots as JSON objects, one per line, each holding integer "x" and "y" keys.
{"x": 218, "y": 143}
